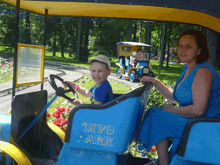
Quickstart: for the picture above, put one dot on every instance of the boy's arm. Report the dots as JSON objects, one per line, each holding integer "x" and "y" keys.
{"x": 81, "y": 90}
{"x": 84, "y": 92}
{"x": 98, "y": 102}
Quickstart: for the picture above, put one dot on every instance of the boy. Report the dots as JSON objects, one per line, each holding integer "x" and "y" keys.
{"x": 101, "y": 92}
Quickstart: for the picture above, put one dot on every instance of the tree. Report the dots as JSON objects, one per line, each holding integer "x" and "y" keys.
{"x": 108, "y": 33}
{"x": 212, "y": 43}
{"x": 135, "y": 31}
{"x": 27, "y": 30}
{"x": 148, "y": 36}
{"x": 168, "y": 43}
{"x": 140, "y": 32}
{"x": 84, "y": 51}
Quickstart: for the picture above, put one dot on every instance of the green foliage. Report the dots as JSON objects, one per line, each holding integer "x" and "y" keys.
{"x": 108, "y": 33}
{"x": 156, "y": 99}
{"x": 6, "y": 70}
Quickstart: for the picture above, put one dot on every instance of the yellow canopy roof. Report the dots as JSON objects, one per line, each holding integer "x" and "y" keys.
{"x": 117, "y": 10}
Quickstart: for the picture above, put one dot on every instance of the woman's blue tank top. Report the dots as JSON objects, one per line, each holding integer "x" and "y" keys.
{"x": 183, "y": 94}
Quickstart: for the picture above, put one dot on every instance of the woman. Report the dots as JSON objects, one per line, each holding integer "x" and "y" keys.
{"x": 197, "y": 90}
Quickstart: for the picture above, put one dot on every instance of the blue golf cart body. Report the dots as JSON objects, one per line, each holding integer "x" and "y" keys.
{"x": 96, "y": 134}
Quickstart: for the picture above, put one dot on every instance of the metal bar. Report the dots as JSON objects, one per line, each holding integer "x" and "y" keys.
{"x": 79, "y": 40}
{"x": 162, "y": 46}
{"x": 22, "y": 15}
{"x": 16, "y": 47}
{"x": 45, "y": 38}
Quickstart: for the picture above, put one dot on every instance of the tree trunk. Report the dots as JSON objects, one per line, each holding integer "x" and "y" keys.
{"x": 148, "y": 36}
{"x": 140, "y": 32}
{"x": 61, "y": 44}
{"x": 54, "y": 42}
{"x": 135, "y": 31}
{"x": 168, "y": 46}
{"x": 28, "y": 35}
{"x": 212, "y": 43}
{"x": 129, "y": 31}
{"x": 86, "y": 42}
{"x": 162, "y": 47}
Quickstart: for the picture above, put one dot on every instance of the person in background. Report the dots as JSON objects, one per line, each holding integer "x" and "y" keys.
{"x": 140, "y": 54}
{"x": 133, "y": 59}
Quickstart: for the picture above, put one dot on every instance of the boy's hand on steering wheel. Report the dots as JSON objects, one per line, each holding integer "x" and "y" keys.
{"x": 76, "y": 101}
{"x": 70, "y": 83}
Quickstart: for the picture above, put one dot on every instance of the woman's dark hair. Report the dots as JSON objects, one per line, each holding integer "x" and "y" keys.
{"x": 201, "y": 42}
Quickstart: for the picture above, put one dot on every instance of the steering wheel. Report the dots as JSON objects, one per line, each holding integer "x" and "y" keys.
{"x": 60, "y": 91}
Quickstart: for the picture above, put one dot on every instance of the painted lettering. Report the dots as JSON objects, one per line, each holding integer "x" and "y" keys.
{"x": 89, "y": 139}
{"x": 101, "y": 128}
{"x": 110, "y": 130}
{"x": 88, "y": 127}
{"x": 109, "y": 141}
{"x": 99, "y": 140}
{"x": 98, "y": 128}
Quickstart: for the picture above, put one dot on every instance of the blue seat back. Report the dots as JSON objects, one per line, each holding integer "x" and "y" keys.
{"x": 201, "y": 142}
{"x": 104, "y": 130}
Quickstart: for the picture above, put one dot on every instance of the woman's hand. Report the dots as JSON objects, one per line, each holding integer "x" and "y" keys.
{"x": 146, "y": 79}
{"x": 168, "y": 107}
{"x": 76, "y": 101}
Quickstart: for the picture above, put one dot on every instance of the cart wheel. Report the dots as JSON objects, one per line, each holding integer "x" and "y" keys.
{"x": 151, "y": 74}
{"x": 132, "y": 76}
{"x": 118, "y": 73}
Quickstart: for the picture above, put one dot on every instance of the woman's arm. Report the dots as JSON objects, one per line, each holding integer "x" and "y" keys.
{"x": 163, "y": 89}
{"x": 200, "y": 92}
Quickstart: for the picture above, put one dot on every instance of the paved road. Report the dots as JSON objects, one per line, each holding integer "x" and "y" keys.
{"x": 124, "y": 80}
{"x": 73, "y": 73}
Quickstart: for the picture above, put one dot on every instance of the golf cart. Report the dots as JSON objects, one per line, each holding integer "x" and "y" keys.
{"x": 200, "y": 141}
{"x": 96, "y": 134}
{"x": 142, "y": 67}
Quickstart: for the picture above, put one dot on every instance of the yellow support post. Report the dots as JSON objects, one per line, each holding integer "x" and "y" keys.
{"x": 57, "y": 130}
